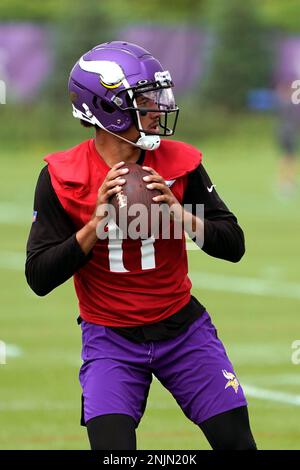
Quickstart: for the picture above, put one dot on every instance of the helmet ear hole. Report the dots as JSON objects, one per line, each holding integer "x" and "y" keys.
{"x": 103, "y": 104}
{"x": 95, "y": 104}
{"x": 107, "y": 107}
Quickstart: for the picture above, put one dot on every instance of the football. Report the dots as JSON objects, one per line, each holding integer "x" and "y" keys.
{"x": 132, "y": 205}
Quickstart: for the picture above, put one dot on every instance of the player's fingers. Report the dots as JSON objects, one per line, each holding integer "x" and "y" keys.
{"x": 117, "y": 181}
{"x": 107, "y": 184}
{"x": 157, "y": 178}
{"x": 112, "y": 191}
{"x": 112, "y": 174}
{"x": 161, "y": 198}
{"x": 161, "y": 186}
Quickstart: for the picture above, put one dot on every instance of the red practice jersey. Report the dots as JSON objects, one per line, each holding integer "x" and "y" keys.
{"x": 126, "y": 282}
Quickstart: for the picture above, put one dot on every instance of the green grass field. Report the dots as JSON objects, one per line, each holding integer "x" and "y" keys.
{"x": 254, "y": 305}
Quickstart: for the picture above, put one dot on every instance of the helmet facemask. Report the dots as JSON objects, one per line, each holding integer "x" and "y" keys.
{"x": 151, "y": 97}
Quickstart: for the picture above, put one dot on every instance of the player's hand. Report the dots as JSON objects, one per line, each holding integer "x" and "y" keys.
{"x": 111, "y": 185}
{"x": 155, "y": 181}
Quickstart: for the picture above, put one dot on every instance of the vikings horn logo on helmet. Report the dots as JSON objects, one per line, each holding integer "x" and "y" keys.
{"x": 111, "y": 74}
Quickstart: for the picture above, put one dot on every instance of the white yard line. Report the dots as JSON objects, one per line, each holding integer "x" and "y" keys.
{"x": 271, "y": 395}
{"x": 250, "y": 391}
{"x": 201, "y": 280}
{"x": 33, "y": 405}
{"x": 12, "y": 350}
{"x": 8, "y": 351}
{"x": 245, "y": 285}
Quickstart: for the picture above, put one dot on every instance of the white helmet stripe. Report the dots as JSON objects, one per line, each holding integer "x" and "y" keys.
{"x": 110, "y": 72}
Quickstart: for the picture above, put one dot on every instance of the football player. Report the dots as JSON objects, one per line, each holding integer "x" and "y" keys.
{"x": 136, "y": 311}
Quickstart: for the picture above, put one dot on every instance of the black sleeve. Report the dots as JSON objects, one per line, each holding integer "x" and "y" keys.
{"x": 53, "y": 253}
{"x": 223, "y": 237}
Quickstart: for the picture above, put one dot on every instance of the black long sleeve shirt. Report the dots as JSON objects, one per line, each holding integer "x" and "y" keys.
{"x": 54, "y": 255}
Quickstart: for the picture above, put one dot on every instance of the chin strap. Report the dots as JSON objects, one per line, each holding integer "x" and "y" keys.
{"x": 148, "y": 142}
{"x": 145, "y": 142}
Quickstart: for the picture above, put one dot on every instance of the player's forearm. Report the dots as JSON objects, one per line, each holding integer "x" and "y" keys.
{"x": 194, "y": 227}
{"x": 224, "y": 239}
{"x": 220, "y": 238}
{"x": 87, "y": 236}
{"x": 51, "y": 267}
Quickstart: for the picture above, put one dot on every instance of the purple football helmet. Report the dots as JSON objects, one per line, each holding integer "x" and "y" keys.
{"x": 107, "y": 81}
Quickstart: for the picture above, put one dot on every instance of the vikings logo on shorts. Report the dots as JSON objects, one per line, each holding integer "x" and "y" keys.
{"x": 232, "y": 380}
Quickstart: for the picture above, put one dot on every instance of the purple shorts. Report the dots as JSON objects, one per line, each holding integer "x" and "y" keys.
{"x": 116, "y": 373}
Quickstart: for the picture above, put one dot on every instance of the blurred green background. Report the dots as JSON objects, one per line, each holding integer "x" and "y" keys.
{"x": 254, "y": 304}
